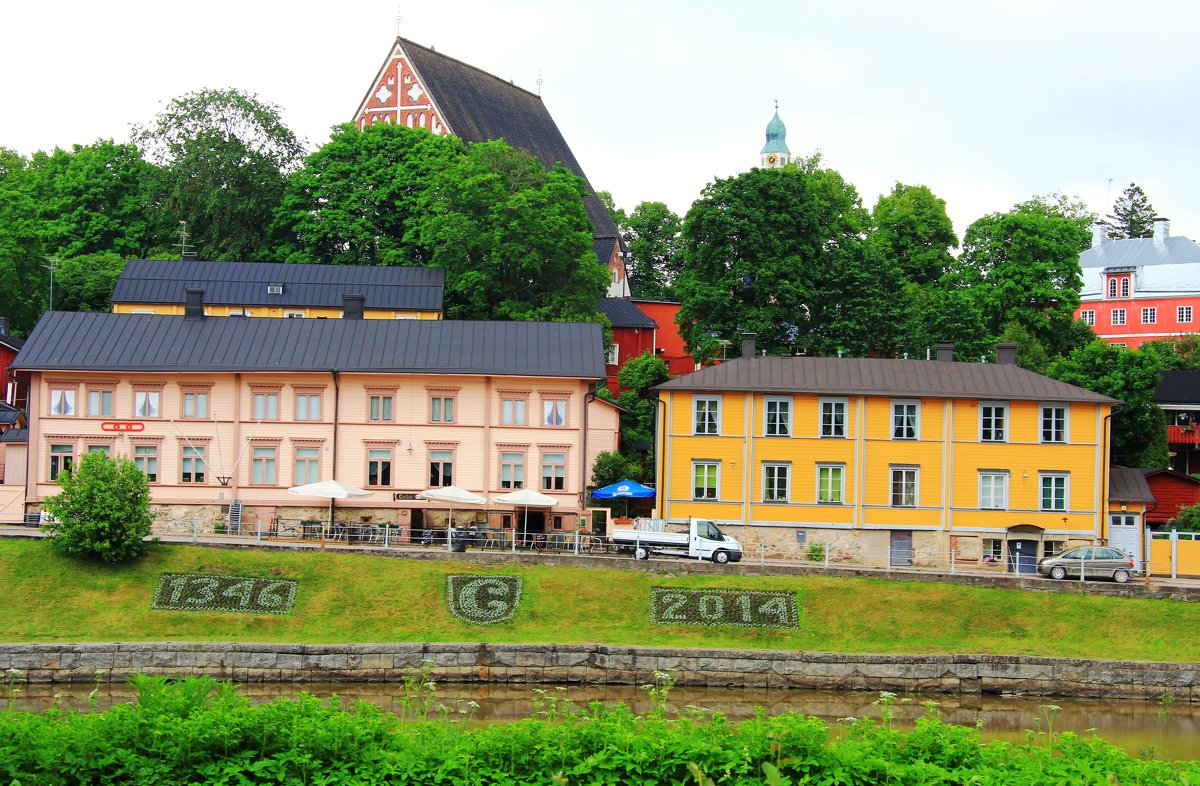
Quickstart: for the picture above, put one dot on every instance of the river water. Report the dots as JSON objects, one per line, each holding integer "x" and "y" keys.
{"x": 1142, "y": 728}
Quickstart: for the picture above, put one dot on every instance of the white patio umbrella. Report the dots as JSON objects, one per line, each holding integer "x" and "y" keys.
{"x": 330, "y": 490}
{"x": 525, "y": 498}
{"x": 451, "y": 495}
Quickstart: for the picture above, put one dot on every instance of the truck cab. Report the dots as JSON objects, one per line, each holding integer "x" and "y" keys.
{"x": 698, "y": 539}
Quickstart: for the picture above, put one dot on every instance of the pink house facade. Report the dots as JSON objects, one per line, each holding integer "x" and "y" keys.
{"x": 216, "y": 409}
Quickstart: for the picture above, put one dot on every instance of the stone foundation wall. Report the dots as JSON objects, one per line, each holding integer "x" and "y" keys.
{"x": 590, "y": 663}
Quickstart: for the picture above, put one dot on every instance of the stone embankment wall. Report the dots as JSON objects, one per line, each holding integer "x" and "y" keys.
{"x": 591, "y": 663}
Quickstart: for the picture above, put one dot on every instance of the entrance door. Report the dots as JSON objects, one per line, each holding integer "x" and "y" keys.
{"x": 1125, "y": 535}
{"x": 1022, "y": 556}
{"x": 901, "y": 551}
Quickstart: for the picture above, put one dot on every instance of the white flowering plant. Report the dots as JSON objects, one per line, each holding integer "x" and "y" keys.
{"x": 483, "y": 600}
{"x": 745, "y": 608}
{"x": 217, "y": 592}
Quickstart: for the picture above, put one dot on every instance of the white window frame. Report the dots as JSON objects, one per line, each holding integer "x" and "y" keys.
{"x": 899, "y": 425}
{"x": 1063, "y": 424}
{"x": 1117, "y": 317}
{"x": 1053, "y": 478}
{"x": 612, "y": 356}
{"x": 838, "y": 472}
{"x": 1088, "y": 317}
{"x": 712, "y": 415}
{"x": 1149, "y": 315}
{"x": 782, "y": 416}
{"x": 1183, "y": 315}
{"x": 908, "y": 476}
{"x": 1112, "y": 286}
{"x": 1126, "y": 286}
{"x": 989, "y": 480}
{"x": 996, "y": 407}
{"x": 713, "y": 492}
{"x": 294, "y": 313}
{"x": 833, "y": 429}
{"x": 779, "y": 474}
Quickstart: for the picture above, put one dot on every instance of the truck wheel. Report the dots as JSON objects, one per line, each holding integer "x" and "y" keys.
{"x": 1121, "y": 576}
{"x": 641, "y": 552}
{"x": 720, "y": 557}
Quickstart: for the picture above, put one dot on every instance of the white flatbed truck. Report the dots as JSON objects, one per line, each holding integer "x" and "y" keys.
{"x": 701, "y": 540}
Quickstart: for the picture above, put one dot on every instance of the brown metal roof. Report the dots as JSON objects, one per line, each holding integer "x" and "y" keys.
{"x": 882, "y": 377}
{"x": 1128, "y": 485}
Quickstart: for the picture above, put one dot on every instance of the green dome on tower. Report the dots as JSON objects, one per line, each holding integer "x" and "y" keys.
{"x": 776, "y": 136}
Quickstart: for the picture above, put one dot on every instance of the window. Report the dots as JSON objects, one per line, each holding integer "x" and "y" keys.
{"x": 1118, "y": 316}
{"x": 1124, "y": 287}
{"x": 195, "y": 404}
{"x": 992, "y": 419}
{"x": 613, "y": 355}
{"x": 145, "y": 458}
{"x": 831, "y": 483}
{"x": 1183, "y": 314}
{"x": 905, "y": 419}
{"x": 775, "y": 482}
{"x": 833, "y": 417}
{"x": 239, "y": 312}
{"x": 1088, "y": 317}
{"x": 554, "y": 471}
{"x": 1052, "y": 548}
{"x": 706, "y": 415}
{"x": 191, "y": 465}
{"x": 262, "y": 465}
{"x": 993, "y": 490}
{"x": 512, "y": 411}
{"x": 554, "y": 412}
{"x": 308, "y": 406}
{"x": 512, "y": 470}
{"x": 1054, "y": 491}
{"x": 99, "y": 403}
{"x": 379, "y": 408}
{"x": 777, "y": 417}
{"x": 306, "y": 469}
{"x": 1149, "y": 316}
{"x": 62, "y": 459}
{"x": 266, "y": 406}
{"x": 294, "y": 314}
{"x": 1054, "y": 423}
{"x": 441, "y": 409}
{"x": 1112, "y": 287}
{"x": 904, "y": 487}
{"x": 62, "y": 401}
{"x": 146, "y": 403}
{"x": 102, "y": 449}
{"x": 275, "y": 289}
{"x": 704, "y": 479}
{"x": 993, "y": 549}
{"x": 379, "y": 467}
{"x": 441, "y": 468}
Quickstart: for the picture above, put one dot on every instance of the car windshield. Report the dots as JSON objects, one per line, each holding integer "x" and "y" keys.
{"x": 706, "y": 529}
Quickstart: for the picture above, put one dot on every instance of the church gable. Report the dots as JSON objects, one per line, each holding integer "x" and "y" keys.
{"x": 398, "y": 95}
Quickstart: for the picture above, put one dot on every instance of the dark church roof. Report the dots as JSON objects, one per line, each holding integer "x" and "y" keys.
{"x": 479, "y": 107}
{"x": 68, "y": 341}
{"x": 252, "y": 283}
{"x": 622, "y": 312}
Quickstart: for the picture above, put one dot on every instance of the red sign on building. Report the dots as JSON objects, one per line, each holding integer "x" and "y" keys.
{"x": 122, "y": 425}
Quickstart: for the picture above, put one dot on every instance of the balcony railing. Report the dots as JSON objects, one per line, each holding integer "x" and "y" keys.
{"x": 1183, "y": 435}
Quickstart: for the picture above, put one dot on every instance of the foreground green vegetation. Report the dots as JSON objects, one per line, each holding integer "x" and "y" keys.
{"x": 200, "y": 731}
{"x": 344, "y": 598}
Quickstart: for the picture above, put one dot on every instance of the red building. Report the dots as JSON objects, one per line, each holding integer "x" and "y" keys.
{"x": 641, "y": 326}
{"x": 1141, "y": 289}
{"x": 1172, "y": 491}
{"x": 14, "y": 391}
{"x": 668, "y": 341}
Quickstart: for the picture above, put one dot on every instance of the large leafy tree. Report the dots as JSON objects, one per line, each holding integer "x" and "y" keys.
{"x": 356, "y": 200}
{"x": 85, "y": 283}
{"x": 1132, "y": 215}
{"x": 780, "y": 253}
{"x": 910, "y": 228}
{"x": 224, "y": 156}
{"x": 652, "y": 235}
{"x": 24, "y": 285}
{"x": 514, "y": 238}
{"x": 1138, "y": 432}
{"x": 1022, "y": 266}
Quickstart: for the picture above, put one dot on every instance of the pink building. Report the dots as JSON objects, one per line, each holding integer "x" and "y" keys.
{"x": 215, "y": 409}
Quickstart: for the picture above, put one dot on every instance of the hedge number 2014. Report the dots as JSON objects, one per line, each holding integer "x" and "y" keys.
{"x": 750, "y": 608}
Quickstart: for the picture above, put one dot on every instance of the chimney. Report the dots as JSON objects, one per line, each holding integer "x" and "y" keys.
{"x": 748, "y": 345}
{"x": 945, "y": 351}
{"x": 1162, "y": 230}
{"x": 1006, "y": 354}
{"x": 1099, "y": 233}
{"x": 193, "y": 304}
{"x": 352, "y": 306}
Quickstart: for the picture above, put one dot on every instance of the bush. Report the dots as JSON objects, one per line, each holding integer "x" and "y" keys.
{"x": 103, "y": 510}
{"x": 1188, "y": 519}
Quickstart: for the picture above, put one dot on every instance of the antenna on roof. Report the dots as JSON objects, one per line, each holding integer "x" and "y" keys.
{"x": 539, "y": 83}
{"x": 185, "y": 251}
{"x": 399, "y": 19}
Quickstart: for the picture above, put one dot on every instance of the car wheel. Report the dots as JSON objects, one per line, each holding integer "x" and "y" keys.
{"x": 1121, "y": 576}
{"x": 641, "y": 552}
{"x": 720, "y": 557}
{"x": 1058, "y": 572}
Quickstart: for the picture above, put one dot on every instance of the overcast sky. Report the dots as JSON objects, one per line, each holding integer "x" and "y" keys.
{"x": 987, "y": 103}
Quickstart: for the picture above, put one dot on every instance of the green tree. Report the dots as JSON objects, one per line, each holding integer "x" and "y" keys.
{"x": 24, "y": 279}
{"x": 85, "y": 283}
{"x": 514, "y": 238}
{"x": 1139, "y": 437}
{"x": 652, "y": 234}
{"x": 1132, "y": 215}
{"x": 780, "y": 253}
{"x": 910, "y": 229}
{"x": 610, "y": 466}
{"x": 1031, "y": 353}
{"x": 617, "y": 215}
{"x": 1023, "y": 266}
{"x": 224, "y": 156}
{"x": 103, "y": 510}
{"x": 1188, "y": 519}
{"x": 356, "y": 200}
{"x": 637, "y": 377}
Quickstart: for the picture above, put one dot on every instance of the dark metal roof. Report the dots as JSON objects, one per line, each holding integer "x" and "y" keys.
{"x": 12, "y": 342}
{"x": 146, "y": 342}
{"x": 621, "y": 312}
{"x": 1178, "y": 387}
{"x": 479, "y": 107}
{"x": 9, "y": 413}
{"x": 1128, "y": 485}
{"x": 882, "y": 377}
{"x": 245, "y": 284}
{"x": 20, "y": 435}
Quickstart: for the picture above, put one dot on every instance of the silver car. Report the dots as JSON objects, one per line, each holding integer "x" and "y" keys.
{"x": 1094, "y": 562}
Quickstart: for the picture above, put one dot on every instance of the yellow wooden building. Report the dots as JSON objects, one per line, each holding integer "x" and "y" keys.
{"x": 888, "y": 461}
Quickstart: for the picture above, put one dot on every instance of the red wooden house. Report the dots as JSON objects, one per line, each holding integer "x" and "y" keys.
{"x": 1172, "y": 491}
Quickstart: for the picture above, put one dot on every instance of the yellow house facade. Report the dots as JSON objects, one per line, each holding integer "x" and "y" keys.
{"x": 891, "y": 461}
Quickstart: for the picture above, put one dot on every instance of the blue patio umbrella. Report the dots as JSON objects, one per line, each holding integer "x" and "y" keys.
{"x": 624, "y": 488}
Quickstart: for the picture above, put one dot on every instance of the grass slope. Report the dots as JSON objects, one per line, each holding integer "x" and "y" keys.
{"x": 345, "y": 598}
